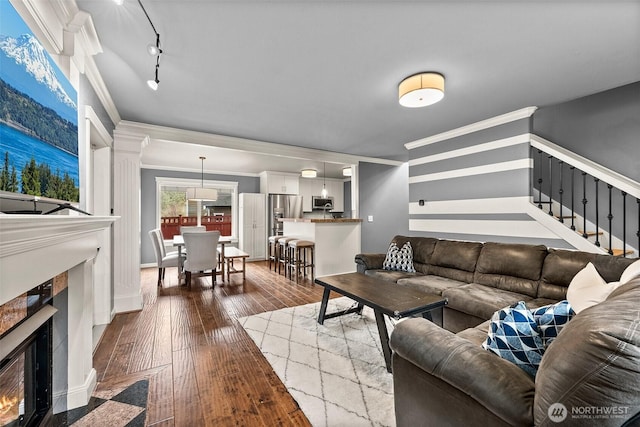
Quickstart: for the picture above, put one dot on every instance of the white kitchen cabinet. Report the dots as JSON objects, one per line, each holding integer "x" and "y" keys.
{"x": 279, "y": 183}
{"x": 336, "y": 190}
{"x": 306, "y": 190}
{"x": 252, "y": 230}
{"x": 310, "y": 187}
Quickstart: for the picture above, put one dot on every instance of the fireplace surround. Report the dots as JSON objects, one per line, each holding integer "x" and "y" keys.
{"x": 34, "y": 249}
{"x": 26, "y": 358}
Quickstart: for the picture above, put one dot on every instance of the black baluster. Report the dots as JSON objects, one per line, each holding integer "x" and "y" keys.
{"x": 624, "y": 224}
{"x": 610, "y": 218}
{"x": 596, "y": 181}
{"x": 561, "y": 191}
{"x": 573, "y": 192}
{"x": 550, "y": 185}
{"x": 540, "y": 179}
{"x": 584, "y": 205}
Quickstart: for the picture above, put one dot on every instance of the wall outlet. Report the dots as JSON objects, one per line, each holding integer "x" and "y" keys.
{"x": 370, "y": 218}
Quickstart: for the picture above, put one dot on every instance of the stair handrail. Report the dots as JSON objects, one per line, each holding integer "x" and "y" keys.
{"x": 592, "y": 168}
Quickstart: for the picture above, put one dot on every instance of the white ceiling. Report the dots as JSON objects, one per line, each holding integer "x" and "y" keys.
{"x": 324, "y": 74}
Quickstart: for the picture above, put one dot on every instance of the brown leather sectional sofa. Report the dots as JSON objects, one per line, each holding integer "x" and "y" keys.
{"x": 443, "y": 377}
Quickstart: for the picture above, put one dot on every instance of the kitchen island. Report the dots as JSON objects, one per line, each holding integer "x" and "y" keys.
{"x": 337, "y": 241}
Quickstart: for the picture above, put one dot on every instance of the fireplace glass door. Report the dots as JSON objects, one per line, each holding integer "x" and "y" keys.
{"x": 25, "y": 381}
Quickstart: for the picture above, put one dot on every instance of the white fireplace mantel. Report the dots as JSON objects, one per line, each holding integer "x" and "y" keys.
{"x": 36, "y": 248}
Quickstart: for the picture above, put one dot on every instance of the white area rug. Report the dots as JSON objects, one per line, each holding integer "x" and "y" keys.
{"x": 335, "y": 371}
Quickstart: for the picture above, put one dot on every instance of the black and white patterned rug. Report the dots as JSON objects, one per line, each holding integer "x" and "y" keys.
{"x": 336, "y": 371}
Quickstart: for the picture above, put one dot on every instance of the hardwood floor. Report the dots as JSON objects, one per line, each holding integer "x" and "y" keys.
{"x": 203, "y": 368}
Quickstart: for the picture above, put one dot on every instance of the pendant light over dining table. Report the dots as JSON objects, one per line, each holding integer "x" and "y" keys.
{"x": 201, "y": 193}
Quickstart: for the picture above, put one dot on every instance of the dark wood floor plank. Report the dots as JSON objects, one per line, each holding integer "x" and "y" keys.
{"x": 160, "y": 399}
{"x": 206, "y": 370}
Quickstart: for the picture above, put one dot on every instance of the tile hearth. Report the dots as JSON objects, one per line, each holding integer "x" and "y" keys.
{"x": 117, "y": 406}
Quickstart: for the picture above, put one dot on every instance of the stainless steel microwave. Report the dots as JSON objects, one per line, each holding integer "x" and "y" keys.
{"x": 322, "y": 203}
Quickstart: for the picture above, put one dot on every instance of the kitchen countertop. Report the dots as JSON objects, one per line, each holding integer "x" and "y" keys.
{"x": 320, "y": 220}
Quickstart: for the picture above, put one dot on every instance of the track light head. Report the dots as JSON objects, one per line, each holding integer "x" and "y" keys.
{"x": 153, "y": 50}
{"x": 153, "y": 84}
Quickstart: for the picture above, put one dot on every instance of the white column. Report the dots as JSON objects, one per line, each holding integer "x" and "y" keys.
{"x": 80, "y": 374}
{"x": 126, "y": 205}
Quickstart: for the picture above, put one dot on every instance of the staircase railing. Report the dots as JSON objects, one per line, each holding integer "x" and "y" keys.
{"x": 562, "y": 181}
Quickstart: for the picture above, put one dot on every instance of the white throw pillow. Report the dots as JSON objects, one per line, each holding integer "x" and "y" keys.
{"x": 587, "y": 288}
{"x": 630, "y": 273}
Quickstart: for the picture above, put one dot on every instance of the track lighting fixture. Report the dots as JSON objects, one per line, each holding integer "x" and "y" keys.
{"x": 154, "y": 50}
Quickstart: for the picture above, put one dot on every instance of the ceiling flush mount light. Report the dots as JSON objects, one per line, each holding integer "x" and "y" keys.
{"x": 308, "y": 173}
{"x": 421, "y": 90}
{"x": 153, "y": 50}
{"x": 346, "y": 171}
{"x": 201, "y": 193}
{"x": 119, "y": 2}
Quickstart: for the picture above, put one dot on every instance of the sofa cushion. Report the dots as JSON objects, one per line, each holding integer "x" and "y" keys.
{"x": 479, "y": 300}
{"x": 392, "y": 276}
{"x": 514, "y": 336}
{"x": 455, "y": 260}
{"x": 595, "y": 361}
{"x": 422, "y": 250}
{"x": 587, "y": 288}
{"x": 477, "y": 334}
{"x": 399, "y": 259}
{"x": 509, "y": 266}
{"x": 630, "y": 273}
{"x": 561, "y": 265}
{"x": 430, "y": 284}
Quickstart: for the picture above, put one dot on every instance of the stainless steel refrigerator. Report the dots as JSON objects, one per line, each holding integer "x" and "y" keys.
{"x": 282, "y": 206}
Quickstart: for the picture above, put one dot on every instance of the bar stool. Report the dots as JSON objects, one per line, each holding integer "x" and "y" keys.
{"x": 283, "y": 255}
{"x": 299, "y": 250}
{"x": 274, "y": 252}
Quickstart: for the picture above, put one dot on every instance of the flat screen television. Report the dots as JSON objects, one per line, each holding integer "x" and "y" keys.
{"x": 38, "y": 117}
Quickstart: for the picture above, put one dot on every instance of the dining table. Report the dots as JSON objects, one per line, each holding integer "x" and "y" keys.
{"x": 178, "y": 242}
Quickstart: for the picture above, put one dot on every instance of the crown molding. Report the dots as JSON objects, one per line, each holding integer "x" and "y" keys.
{"x": 474, "y": 127}
{"x": 168, "y": 134}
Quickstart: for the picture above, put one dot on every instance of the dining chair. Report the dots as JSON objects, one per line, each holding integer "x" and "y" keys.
{"x": 163, "y": 259}
{"x": 202, "y": 254}
{"x": 192, "y": 229}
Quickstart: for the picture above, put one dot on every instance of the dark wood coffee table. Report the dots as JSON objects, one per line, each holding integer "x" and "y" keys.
{"x": 383, "y": 297}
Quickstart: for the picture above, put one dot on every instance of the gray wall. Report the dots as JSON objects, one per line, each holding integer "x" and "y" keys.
{"x": 246, "y": 184}
{"x": 87, "y": 96}
{"x": 384, "y": 193}
{"x": 604, "y": 128}
{"x": 447, "y": 179}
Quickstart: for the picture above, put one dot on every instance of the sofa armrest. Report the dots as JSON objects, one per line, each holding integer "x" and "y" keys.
{"x": 499, "y": 385}
{"x": 369, "y": 261}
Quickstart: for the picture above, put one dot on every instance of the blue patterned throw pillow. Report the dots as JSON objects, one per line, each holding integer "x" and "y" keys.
{"x": 514, "y": 336}
{"x": 551, "y": 319}
{"x": 399, "y": 259}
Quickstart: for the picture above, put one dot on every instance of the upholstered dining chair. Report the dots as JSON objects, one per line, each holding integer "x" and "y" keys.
{"x": 202, "y": 254}
{"x": 163, "y": 259}
{"x": 192, "y": 229}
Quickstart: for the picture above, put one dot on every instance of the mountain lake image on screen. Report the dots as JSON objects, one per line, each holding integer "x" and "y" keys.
{"x": 38, "y": 116}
